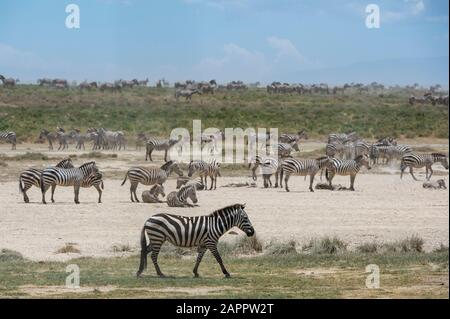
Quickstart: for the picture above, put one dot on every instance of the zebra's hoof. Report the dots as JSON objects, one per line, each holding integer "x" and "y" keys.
{"x": 196, "y": 276}
{"x": 227, "y": 276}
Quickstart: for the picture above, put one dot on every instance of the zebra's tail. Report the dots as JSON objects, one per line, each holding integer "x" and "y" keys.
{"x": 125, "y": 179}
{"x": 326, "y": 174}
{"x": 102, "y": 185}
{"x": 143, "y": 263}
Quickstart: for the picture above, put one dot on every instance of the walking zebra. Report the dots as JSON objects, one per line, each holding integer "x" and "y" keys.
{"x": 52, "y": 176}
{"x": 211, "y": 170}
{"x": 346, "y": 167}
{"x": 390, "y": 152}
{"x": 285, "y": 149}
{"x": 151, "y": 196}
{"x": 269, "y": 166}
{"x": 149, "y": 176}
{"x": 159, "y": 145}
{"x": 289, "y": 138}
{"x": 420, "y": 160}
{"x": 32, "y": 177}
{"x": 302, "y": 167}
{"x": 203, "y": 232}
{"x": 179, "y": 198}
{"x": 9, "y": 137}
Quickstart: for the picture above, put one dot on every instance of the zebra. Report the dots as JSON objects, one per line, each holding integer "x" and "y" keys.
{"x": 32, "y": 177}
{"x": 50, "y": 136}
{"x": 52, "y": 176}
{"x": 302, "y": 167}
{"x": 342, "y": 150}
{"x": 288, "y": 138}
{"x": 63, "y": 138}
{"x": 211, "y": 169}
{"x": 141, "y": 139}
{"x": 389, "y": 152}
{"x": 362, "y": 148}
{"x": 285, "y": 149}
{"x": 269, "y": 166}
{"x": 151, "y": 196}
{"x": 95, "y": 180}
{"x": 9, "y": 137}
{"x": 346, "y": 167}
{"x": 150, "y": 176}
{"x": 203, "y": 232}
{"x": 342, "y": 137}
{"x": 413, "y": 160}
{"x": 186, "y": 93}
{"x": 159, "y": 145}
{"x": 187, "y": 181}
{"x": 179, "y": 198}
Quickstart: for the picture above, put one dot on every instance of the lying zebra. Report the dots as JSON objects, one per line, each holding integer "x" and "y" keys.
{"x": 151, "y": 196}
{"x": 52, "y": 176}
{"x": 187, "y": 181}
{"x": 440, "y": 183}
{"x": 203, "y": 232}
{"x": 179, "y": 198}
{"x": 32, "y": 177}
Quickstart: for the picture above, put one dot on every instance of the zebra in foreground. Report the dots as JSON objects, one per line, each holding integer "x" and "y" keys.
{"x": 52, "y": 176}
{"x": 149, "y": 176}
{"x": 346, "y": 167}
{"x": 302, "y": 167}
{"x": 158, "y": 145}
{"x": 203, "y": 232}
{"x": 420, "y": 160}
{"x": 32, "y": 177}
{"x": 179, "y": 198}
{"x": 269, "y": 166}
{"x": 9, "y": 137}
{"x": 211, "y": 170}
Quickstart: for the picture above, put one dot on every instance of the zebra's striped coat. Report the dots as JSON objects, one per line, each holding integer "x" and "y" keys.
{"x": 203, "y": 232}
{"x": 302, "y": 167}
{"x": 179, "y": 198}
{"x": 413, "y": 160}
{"x": 346, "y": 167}
{"x": 158, "y": 145}
{"x": 211, "y": 170}
{"x": 9, "y": 137}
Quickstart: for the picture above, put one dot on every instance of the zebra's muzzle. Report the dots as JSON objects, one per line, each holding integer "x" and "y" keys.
{"x": 250, "y": 232}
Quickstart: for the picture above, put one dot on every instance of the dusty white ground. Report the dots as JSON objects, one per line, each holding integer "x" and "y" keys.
{"x": 383, "y": 208}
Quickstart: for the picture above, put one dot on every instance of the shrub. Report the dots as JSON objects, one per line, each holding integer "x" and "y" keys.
{"x": 325, "y": 245}
{"x": 282, "y": 248}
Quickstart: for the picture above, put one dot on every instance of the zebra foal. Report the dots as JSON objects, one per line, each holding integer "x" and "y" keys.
{"x": 203, "y": 232}
{"x": 179, "y": 198}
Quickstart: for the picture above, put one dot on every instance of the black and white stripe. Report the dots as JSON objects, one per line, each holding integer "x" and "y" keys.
{"x": 152, "y": 196}
{"x": 149, "y": 176}
{"x": 9, "y": 137}
{"x": 95, "y": 180}
{"x": 390, "y": 152}
{"x": 203, "y": 232}
{"x": 158, "y": 145}
{"x": 52, "y": 176}
{"x": 32, "y": 177}
{"x": 345, "y": 168}
{"x": 413, "y": 160}
{"x": 205, "y": 170}
{"x": 302, "y": 167}
{"x": 179, "y": 198}
{"x": 285, "y": 149}
{"x": 289, "y": 138}
{"x": 269, "y": 166}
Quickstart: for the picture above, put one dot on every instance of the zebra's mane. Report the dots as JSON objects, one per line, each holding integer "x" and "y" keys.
{"x": 87, "y": 164}
{"x": 438, "y": 155}
{"x": 166, "y": 165}
{"x": 218, "y": 211}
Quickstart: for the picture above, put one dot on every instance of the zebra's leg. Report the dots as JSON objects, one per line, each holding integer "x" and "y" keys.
{"x": 165, "y": 155}
{"x": 331, "y": 174}
{"x": 412, "y": 174}
{"x": 24, "y": 192}
{"x": 133, "y": 187}
{"x": 53, "y": 192}
{"x": 431, "y": 173}
{"x": 156, "y": 247}
{"x": 44, "y": 189}
{"x": 213, "y": 248}
{"x": 276, "y": 178}
{"x": 352, "y": 182}
{"x": 212, "y": 182}
{"x": 76, "y": 189}
{"x": 99, "y": 193}
{"x": 311, "y": 181}
{"x": 201, "y": 252}
{"x": 215, "y": 182}
{"x": 286, "y": 182}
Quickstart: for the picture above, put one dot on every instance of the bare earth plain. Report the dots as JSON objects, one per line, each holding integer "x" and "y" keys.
{"x": 382, "y": 209}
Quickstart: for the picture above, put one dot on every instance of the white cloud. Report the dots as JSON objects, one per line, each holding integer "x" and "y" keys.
{"x": 410, "y": 8}
{"x": 285, "y": 49}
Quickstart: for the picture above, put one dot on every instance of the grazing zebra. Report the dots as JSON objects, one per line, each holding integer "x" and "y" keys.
{"x": 203, "y": 232}
{"x": 346, "y": 167}
{"x": 420, "y": 160}
{"x": 289, "y": 138}
{"x": 151, "y": 196}
{"x": 285, "y": 149}
{"x": 9, "y": 137}
{"x": 269, "y": 166}
{"x": 211, "y": 169}
{"x": 179, "y": 198}
{"x": 302, "y": 167}
{"x": 159, "y": 145}
{"x": 32, "y": 177}
{"x": 149, "y": 176}
{"x": 95, "y": 180}
{"x": 52, "y": 176}
{"x": 186, "y": 93}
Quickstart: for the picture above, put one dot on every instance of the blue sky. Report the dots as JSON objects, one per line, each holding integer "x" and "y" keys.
{"x": 251, "y": 40}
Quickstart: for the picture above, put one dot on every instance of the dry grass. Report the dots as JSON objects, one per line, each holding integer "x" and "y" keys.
{"x": 68, "y": 249}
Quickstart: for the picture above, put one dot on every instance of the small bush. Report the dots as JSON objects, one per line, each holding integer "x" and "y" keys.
{"x": 121, "y": 248}
{"x": 281, "y": 248}
{"x": 441, "y": 249}
{"x": 410, "y": 244}
{"x": 7, "y": 255}
{"x": 368, "y": 248}
{"x": 68, "y": 248}
{"x": 241, "y": 245}
{"x": 325, "y": 245}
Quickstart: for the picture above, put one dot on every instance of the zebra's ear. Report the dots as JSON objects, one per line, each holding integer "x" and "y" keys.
{"x": 243, "y": 205}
